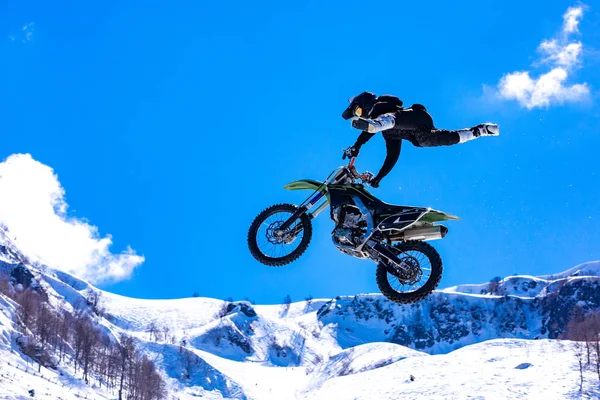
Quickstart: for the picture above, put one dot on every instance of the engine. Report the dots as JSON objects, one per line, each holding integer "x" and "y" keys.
{"x": 351, "y": 225}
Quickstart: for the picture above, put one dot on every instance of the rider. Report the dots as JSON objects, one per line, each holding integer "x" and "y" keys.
{"x": 385, "y": 113}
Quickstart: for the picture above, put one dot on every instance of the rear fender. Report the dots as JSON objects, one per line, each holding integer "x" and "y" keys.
{"x": 437, "y": 216}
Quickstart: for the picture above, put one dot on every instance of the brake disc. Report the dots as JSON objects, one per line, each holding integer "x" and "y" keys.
{"x": 409, "y": 272}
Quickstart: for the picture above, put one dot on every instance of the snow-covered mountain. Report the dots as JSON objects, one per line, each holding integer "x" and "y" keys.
{"x": 460, "y": 342}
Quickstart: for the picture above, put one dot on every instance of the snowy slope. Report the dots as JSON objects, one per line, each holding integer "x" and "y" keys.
{"x": 496, "y": 369}
{"x": 585, "y": 269}
{"x": 17, "y": 378}
{"x": 18, "y": 374}
{"x": 362, "y": 346}
{"x": 528, "y": 286}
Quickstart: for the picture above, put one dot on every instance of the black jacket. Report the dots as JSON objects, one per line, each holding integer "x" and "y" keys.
{"x": 408, "y": 123}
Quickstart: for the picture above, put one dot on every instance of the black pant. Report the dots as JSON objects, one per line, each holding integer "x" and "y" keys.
{"x": 423, "y": 138}
{"x": 416, "y": 125}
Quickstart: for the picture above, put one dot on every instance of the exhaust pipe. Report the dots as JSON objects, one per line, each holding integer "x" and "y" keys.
{"x": 427, "y": 233}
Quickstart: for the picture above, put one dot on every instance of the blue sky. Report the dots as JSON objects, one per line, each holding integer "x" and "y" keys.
{"x": 170, "y": 126}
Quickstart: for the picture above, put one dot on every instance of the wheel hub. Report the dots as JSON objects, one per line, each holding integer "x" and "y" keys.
{"x": 278, "y": 236}
{"x": 409, "y": 271}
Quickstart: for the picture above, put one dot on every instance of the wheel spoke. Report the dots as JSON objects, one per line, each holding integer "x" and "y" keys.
{"x": 272, "y": 245}
{"x": 416, "y": 272}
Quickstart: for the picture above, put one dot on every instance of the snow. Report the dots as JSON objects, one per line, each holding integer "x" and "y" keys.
{"x": 489, "y": 370}
{"x": 585, "y": 269}
{"x": 326, "y": 348}
{"x": 17, "y": 378}
{"x": 527, "y": 286}
{"x": 18, "y": 374}
{"x": 136, "y": 315}
{"x": 259, "y": 381}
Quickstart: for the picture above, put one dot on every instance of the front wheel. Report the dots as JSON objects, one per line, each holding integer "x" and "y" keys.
{"x": 421, "y": 273}
{"x": 275, "y": 247}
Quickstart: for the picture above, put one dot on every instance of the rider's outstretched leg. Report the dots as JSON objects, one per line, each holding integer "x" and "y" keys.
{"x": 443, "y": 137}
{"x": 487, "y": 129}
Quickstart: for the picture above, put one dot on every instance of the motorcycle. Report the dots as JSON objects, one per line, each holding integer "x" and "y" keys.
{"x": 393, "y": 236}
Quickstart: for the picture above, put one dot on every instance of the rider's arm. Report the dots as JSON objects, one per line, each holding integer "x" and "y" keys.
{"x": 363, "y": 138}
{"x": 393, "y": 153}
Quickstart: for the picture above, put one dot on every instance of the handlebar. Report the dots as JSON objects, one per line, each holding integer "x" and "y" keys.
{"x": 346, "y": 153}
{"x": 351, "y": 163}
{"x": 366, "y": 177}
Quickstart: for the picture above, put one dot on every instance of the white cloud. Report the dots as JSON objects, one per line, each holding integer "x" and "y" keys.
{"x": 562, "y": 56}
{"x": 571, "y": 19}
{"x": 28, "y": 31}
{"x": 549, "y": 88}
{"x": 25, "y": 34}
{"x": 33, "y": 207}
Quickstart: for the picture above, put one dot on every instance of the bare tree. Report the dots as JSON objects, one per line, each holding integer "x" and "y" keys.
{"x": 494, "y": 285}
{"x": 94, "y": 300}
{"x": 151, "y": 386}
{"x": 45, "y": 322}
{"x": 29, "y": 303}
{"x": 190, "y": 361}
{"x": 87, "y": 338}
{"x": 287, "y": 302}
{"x": 77, "y": 341}
{"x": 46, "y": 332}
{"x": 5, "y": 286}
{"x": 584, "y": 329}
{"x": 592, "y": 328}
{"x": 165, "y": 331}
{"x": 102, "y": 362}
{"x": 309, "y": 300}
{"x": 126, "y": 352}
{"x": 578, "y": 347}
{"x": 64, "y": 330}
{"x": 153, "y": 330}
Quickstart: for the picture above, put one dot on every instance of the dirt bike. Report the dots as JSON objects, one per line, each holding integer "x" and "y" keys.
{"x": 408, "y": 269}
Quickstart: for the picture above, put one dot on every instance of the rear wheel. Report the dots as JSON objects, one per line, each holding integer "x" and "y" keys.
{"x": 274, "y": 247}
{"x": 420, "y": 275}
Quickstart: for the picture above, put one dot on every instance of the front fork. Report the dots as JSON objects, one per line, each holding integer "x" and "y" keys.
{"x": 307, "y": 205}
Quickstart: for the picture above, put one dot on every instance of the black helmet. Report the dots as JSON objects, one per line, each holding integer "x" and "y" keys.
{"x": 359, "y": 105}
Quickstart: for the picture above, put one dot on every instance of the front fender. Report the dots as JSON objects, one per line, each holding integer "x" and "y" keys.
{"x": 303, "y": 184}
